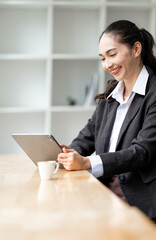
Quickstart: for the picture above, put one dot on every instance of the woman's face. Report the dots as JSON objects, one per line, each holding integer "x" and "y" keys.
{"x": 117, "y": 58}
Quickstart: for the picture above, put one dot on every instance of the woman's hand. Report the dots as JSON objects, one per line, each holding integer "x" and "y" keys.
{"x": 65, "y": 146}
{"x": 72, "y": 160}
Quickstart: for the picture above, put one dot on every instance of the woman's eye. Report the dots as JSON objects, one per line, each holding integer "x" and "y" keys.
{"x": 102, "y": 59}
{"x": 112, "y": 55}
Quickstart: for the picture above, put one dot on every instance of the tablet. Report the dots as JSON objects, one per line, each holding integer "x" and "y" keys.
{"x": 38, "y": 147}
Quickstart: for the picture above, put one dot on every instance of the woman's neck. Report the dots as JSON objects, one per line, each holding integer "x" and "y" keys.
{"x": 129, "y": 83}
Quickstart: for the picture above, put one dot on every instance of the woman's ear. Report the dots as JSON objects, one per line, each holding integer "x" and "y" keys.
{"x": 137, "y": 49}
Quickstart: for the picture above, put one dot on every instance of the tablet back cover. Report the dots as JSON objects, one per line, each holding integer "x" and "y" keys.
{"x": 38, "y": 147}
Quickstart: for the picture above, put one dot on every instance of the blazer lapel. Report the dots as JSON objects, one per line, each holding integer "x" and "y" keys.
{"x": 112, "y": 107}
{"x": 134, "y": 108}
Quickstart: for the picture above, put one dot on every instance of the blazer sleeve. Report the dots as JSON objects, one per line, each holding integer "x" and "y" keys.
{"x": 84, "y": 143}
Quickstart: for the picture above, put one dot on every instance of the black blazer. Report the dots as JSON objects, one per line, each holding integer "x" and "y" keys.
{"x": 135, "y": 158}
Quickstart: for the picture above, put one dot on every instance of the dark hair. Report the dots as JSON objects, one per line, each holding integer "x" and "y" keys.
{"x": 128, "y": 33}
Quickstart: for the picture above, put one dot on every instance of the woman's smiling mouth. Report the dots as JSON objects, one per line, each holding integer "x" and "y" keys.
{"x": 115, "y": 71}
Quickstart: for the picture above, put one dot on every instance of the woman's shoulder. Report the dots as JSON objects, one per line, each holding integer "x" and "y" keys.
{"x": 151, "y": 84}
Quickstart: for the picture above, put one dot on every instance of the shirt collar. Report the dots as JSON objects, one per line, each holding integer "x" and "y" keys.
{"x": 139, "y": 87}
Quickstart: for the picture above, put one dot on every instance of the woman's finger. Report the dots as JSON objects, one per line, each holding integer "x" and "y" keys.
{"x": 65, "y": 146}
{"x": 63, "y": 155}
{"x": 68, "y": 150}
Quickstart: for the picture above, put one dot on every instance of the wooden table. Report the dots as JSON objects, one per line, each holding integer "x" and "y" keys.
{"x": 72, "y": 206}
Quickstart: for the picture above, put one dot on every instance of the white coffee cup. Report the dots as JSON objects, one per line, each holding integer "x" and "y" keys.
{"x": 47, "y": 169}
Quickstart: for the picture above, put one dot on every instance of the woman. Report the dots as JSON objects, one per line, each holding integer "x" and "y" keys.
{"x": 122, "y": 130}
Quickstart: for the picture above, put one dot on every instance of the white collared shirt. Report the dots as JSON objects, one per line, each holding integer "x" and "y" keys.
{"x": 139, "y": 88}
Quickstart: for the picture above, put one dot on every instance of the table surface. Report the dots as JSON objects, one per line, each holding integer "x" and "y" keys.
{"x": 73, "y": 205}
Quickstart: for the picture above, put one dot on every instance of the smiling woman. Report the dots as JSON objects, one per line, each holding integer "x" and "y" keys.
{"x": 129, "y": 48}
{"x": 122, "y": 130}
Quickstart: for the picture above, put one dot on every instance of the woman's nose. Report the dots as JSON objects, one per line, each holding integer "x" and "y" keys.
{"x": 108, "y": 64}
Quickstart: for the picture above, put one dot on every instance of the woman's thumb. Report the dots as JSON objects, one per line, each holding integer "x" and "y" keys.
{"x": 67, "y": 150}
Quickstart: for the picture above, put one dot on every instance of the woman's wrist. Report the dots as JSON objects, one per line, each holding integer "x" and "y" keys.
{"x": 86, "y": 163}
